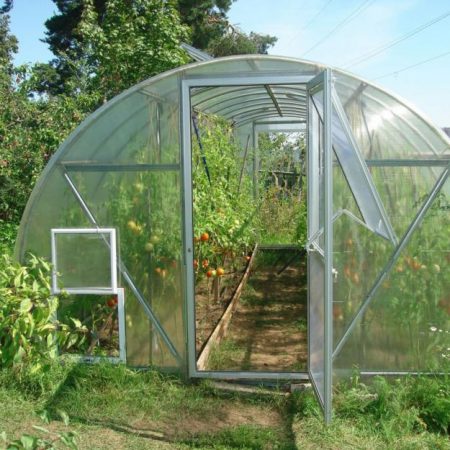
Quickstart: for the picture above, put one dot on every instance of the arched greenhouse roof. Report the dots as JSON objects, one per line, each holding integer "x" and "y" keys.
{"x": 384, "y": 126}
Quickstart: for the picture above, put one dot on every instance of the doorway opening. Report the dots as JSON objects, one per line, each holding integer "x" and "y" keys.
{"x": 249, "y": 220}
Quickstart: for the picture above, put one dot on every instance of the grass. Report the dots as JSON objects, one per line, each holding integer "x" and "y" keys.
{"x": 226, "y": 354}
{"x": 115, "y": 407}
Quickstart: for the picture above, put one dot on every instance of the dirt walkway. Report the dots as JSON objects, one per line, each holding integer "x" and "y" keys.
{"x": 268, "y": 329}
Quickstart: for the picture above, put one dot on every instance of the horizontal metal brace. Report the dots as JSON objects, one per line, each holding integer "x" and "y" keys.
{"x": 251, "y": 375}
{"x": 429, "y": 162}
{"x": 79, "y": 166}
{"x": 245, "y": 79}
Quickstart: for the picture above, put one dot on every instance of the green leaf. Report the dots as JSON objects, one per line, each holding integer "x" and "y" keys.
{"x": 45, "y": 416}
{"x": 64, "y": 416}
{"x": 25, "y": 305}
{"x": 29, "y": 442}
{"x": 76, "y": 322}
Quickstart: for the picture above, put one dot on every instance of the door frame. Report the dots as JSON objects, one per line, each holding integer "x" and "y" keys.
{"x": 322, "y": 82}
{"x": 186, "y": 84}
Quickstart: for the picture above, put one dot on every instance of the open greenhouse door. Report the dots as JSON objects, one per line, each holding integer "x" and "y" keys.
{"x": 320, "y": 239}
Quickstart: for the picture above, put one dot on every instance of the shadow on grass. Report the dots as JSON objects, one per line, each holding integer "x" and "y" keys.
{"x": 154, "y": 406}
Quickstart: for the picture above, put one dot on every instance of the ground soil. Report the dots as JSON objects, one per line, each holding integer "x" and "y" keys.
{"x": 268, "y": 329}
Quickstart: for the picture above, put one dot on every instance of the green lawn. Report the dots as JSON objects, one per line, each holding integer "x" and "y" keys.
{"x": 115, "y": 407}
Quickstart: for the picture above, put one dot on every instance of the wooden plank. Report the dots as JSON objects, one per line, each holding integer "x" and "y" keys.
{"x": 224, "y": 322}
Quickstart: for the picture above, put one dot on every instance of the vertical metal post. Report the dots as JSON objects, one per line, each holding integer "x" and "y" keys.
{"x": 328, "y": 244}
{"x": 121, "y": 319}
{"x": 185, "y": 123}
{"x": 255, "y": 162}
{"x": 158, "y": 131}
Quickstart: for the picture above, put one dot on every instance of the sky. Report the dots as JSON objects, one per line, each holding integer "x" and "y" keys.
{"x": 333, "y": 32}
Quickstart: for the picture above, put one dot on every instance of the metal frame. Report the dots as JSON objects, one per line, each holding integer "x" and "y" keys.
{"x": 322, "y": 82}
{"x": 185, "y": 123}
{"x": 112, "y": 254}
{"x": 283, "y": 125}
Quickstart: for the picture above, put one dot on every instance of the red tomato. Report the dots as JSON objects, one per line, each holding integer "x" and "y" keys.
{"x": 111, "y": 302}
{"x": 204, "y": 237}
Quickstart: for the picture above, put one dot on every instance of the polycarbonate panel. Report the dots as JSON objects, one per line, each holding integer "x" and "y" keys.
{"x": 359, "y": 255}
{"x": 343, "y": 199}
{"x": 144, "y": 208}
{"x": 403, "y": 190}
{"x": 356, "y": 172}
{"x": 316, "y": 322}
{"x": 83, "y": 260}
{"x": 383, "y": 126}
{"x": 53, "y": 206}
{"x": 254, "y": 64}
{"x": 358, "y": 178}
{"x": 407, "y": 325}
{"x": 319, "y": 265}
{"x": 128, "y": 132}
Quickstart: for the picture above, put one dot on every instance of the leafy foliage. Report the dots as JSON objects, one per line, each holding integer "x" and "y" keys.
{"x": 30, "y": 334}
{"x": 222, "y": 208}
{"x": 408, "y": 412}
{"x": 134, "y": 41}
{"x": 282, "y": 191}
{"x": 235, "y": 42}
{"x": 30, "y": 132}
{"x": 48, "y": 441}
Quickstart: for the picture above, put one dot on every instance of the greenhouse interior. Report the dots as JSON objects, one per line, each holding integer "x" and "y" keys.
{"x": 252, "y": 217}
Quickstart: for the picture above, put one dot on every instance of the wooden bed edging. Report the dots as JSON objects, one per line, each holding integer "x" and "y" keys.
{"x": 222, "y": 326}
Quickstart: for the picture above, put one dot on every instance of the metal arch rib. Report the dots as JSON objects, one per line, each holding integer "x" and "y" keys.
{"x": 125, "y": 273}
{"x": 274, "y": 99}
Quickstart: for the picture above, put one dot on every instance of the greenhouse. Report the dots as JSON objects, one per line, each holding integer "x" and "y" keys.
{"x": 252, "y": 217}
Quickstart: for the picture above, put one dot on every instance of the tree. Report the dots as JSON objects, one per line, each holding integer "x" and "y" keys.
{"x": 110, "y": 44}
{"x": 236, "y": 42}
{"x": 135, "y": 40}
{"x": 8, "y": 47}
{"x": 207, "y": 21}
{"x": 30, "y": 130}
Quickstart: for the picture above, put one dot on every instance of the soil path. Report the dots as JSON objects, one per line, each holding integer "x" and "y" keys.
{"x": 268, "y": 329}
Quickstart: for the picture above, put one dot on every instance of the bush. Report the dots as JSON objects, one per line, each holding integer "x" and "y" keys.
{"x": 30, "y": 334}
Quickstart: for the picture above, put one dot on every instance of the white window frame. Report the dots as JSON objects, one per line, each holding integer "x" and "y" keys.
{"x": 112, "y": 289}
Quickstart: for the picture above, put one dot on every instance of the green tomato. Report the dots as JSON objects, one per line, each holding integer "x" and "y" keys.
{"x": 155, "y": 239}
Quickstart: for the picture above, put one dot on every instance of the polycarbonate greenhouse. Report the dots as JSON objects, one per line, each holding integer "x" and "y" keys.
{"x": 118, "y": 195}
